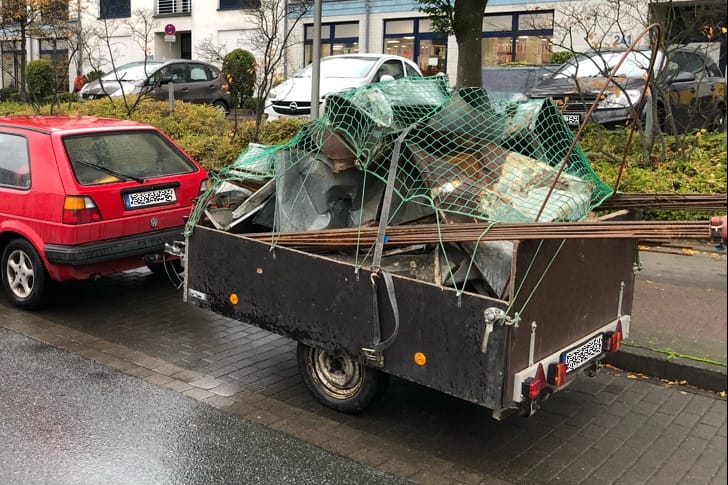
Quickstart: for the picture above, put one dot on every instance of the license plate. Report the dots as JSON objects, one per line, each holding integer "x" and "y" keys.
{"x": 150, "y": 197}
{"x": 572, "y": 120}
{"x": 582, "y": 354}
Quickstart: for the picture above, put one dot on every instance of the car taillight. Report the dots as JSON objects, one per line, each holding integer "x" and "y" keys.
{"x": 613, "y": 339}
{"x": 531, "y": 387}
{"x": 79, "y": 209}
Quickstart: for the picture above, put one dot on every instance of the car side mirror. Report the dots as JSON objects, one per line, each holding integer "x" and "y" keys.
{"x": 386, "y": 77}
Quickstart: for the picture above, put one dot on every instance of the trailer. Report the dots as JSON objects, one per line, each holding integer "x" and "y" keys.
{"x": 375, "y": 245}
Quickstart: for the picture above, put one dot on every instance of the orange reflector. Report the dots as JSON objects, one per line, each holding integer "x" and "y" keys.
{"x": 233, "y": 298}
{"x": 533, "y": 385}
{"x": 557, "y": 374}
{"x": 420, "y": 358}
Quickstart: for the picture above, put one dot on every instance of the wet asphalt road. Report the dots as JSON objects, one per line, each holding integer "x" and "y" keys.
{"x": 68, "y": 420}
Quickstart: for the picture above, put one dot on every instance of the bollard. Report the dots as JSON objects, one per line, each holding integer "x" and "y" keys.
{"x": 171, "y": 96}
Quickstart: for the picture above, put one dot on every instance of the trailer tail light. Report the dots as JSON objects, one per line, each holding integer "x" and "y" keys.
{"x": 80, "y": 209}
{"x": 557, "y": 374}
{"x": 613, "y": 339}
{"x": 531, "y": 387}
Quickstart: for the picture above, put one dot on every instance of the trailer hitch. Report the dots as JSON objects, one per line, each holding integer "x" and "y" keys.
{"x": 493, "y": 316}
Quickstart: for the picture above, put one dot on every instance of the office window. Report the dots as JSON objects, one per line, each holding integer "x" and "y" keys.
{"x": 336, "y": 38}
{"x": 115, "y": 9}
{"x": 523, "y": 37}
{"x": 415, "y": 40}
{"x": 239, "y": 4}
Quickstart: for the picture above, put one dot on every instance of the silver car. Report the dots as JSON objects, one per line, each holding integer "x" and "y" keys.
{"x": 192, "y": 81}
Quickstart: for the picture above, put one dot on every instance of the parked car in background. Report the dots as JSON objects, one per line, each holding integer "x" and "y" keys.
{"x": 689, "y": 84}
{"x": 339, "y": 72}
{"x": 193, "y": 81}
{"x": 513, "y": 82}
{"x": 85, "y": 196}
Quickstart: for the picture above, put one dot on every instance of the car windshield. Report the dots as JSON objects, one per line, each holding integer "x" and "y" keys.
{"x": 343, "y": 67}
{"x": 602, "y": 65}
{"x": 136, "y": 71}
{"x": 134, "y": 155}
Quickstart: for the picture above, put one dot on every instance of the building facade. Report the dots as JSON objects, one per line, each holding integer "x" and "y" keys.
{"x": 514, "y": 31}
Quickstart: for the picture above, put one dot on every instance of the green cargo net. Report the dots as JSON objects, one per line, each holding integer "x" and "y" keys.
{"x": 467, "y": 156}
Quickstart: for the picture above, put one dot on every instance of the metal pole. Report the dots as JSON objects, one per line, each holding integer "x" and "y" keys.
{"x": 316, "y": 59}
{"x": 170, "y": 97}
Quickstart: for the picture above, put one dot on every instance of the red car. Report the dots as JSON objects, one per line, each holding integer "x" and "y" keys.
{"x": 85, "y": 196}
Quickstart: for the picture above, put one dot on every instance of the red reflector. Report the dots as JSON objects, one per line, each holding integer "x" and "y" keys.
{"x": 613, "y": 339}
{"x": 532, "y": 386}
{"x": 557, "y": 374}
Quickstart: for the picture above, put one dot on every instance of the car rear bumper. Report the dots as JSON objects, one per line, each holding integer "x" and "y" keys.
{"x": 112, "y": 249}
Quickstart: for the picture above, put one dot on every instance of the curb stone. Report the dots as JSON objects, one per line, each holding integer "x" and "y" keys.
{"x": 703, "y": 375}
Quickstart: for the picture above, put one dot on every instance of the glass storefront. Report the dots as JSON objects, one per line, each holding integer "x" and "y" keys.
{"x": 523, "y": 38}
{"x": 336, "y": 38}
{"x": 414, "y": 39}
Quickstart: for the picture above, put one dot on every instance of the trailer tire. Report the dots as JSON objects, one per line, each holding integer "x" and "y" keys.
{"x": 339, "y": 382}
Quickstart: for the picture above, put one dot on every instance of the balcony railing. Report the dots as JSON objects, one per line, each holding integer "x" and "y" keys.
{"x": 174, "y": 7}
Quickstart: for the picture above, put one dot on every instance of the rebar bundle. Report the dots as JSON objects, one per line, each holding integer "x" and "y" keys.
{"x": 669, "y": 201}
{"x": 407, "y": 235}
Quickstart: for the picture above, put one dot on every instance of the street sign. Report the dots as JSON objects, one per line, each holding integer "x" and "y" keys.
{"x": 170, "y": 38}
{"x": 170, "y": 29}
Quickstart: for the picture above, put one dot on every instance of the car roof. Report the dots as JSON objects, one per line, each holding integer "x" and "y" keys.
{"x": 63, "y": 123}
{"x": 365, "y": 55}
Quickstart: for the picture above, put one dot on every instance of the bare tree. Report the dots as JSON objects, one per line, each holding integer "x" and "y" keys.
{"x": 208, "y": 50}
{"x": 140, "y": 29}
{"x": 273, "y": 33}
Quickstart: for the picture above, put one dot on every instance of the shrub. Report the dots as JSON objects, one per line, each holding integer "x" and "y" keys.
{"x": 239, "y": 67}
{"x": 93, "y": 76}
{"x": 7, "y": 93}
{"x": 560, "y": 57}
{"x": 40, "y": 78}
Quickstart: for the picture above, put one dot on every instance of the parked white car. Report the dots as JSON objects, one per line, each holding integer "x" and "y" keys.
{"x": 293, "y": 96}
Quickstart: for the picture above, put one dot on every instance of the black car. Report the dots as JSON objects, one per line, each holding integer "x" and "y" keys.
{"x": 688, "y": 81}
{"x": 193, "y": 81}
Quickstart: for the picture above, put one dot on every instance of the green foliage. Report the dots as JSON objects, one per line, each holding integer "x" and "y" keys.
{"x": 279, "y": 131}
{"x": 39, "y": 75}
{"x": 93, "y": 76}
{"x": 441, "y": 12}
{"x": 8, "y": 94}
{"x": 701, "y": 168}
{"x": 239, "y": 67}
{"x": 560, "y": 57}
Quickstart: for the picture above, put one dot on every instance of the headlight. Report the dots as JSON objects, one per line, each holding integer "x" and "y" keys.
{"x": 272, "y": 95}
{"x": 618, "y": 98}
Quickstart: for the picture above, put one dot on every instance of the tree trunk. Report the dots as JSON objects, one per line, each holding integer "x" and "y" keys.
{"x": 468, "y": 28}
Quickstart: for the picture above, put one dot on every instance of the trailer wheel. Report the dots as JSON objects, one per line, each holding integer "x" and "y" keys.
{"x": 339, "y": 382}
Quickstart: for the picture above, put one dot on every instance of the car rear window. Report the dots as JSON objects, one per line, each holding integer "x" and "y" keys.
{"x": 136, "y": 155}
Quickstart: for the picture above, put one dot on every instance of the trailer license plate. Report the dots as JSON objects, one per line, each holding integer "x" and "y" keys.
{"x": 572, "y": 119}
{"x": 575, "y": 357}
{"x": 150, "y": 197}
